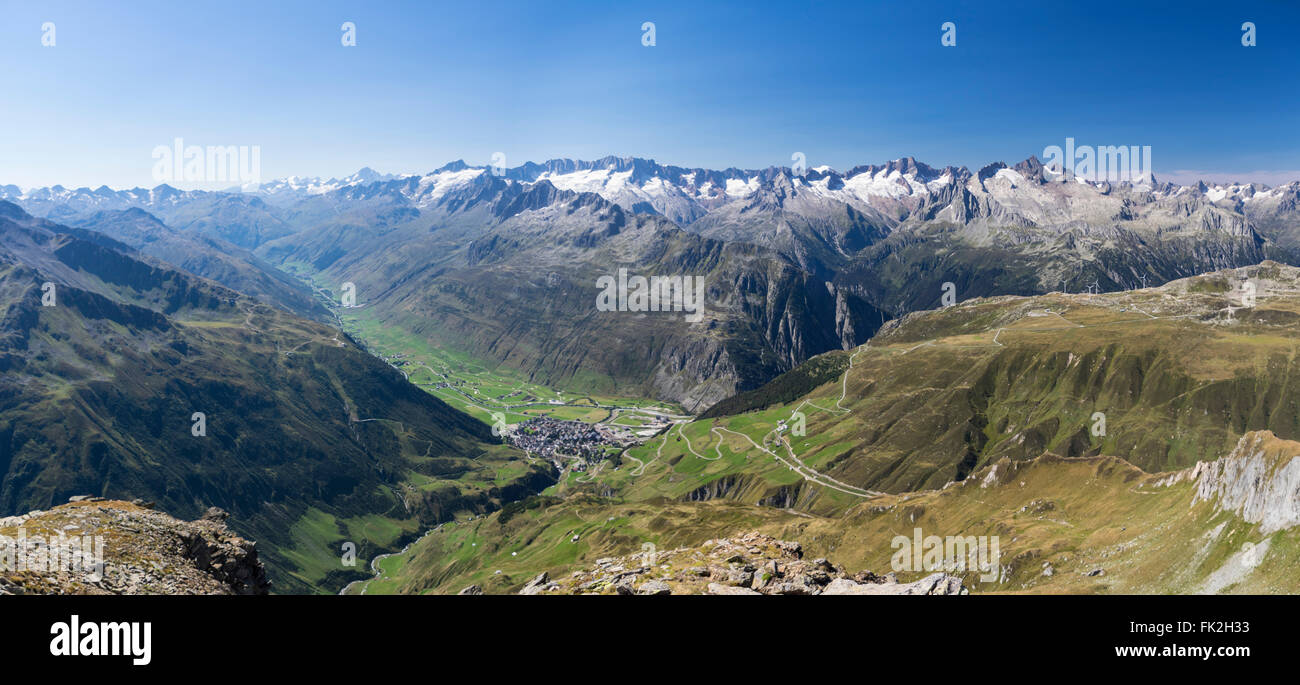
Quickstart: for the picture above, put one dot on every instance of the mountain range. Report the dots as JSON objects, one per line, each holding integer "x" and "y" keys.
{"x": 933, "y": 324}
{"x": 502, "y": 262}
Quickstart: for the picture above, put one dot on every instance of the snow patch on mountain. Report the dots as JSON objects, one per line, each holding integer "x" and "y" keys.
{"x": 433, "y": 187}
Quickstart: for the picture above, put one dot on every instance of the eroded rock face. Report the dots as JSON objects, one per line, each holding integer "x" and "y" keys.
{"x": 1259, "y": 481}
{"x": 143, "y": 552}
{"x": 538, "y": 585}
{"x": 750, "y": 564}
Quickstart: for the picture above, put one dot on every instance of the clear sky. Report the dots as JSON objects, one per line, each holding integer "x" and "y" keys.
{"x": 741, "y": 84}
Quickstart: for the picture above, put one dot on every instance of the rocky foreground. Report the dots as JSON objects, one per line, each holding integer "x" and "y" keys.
{"x": 101, "y": 547}
{"x": 751, "y": 564}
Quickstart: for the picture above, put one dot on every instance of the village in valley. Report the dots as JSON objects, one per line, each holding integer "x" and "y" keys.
{"x": 557, "y": 440}
{"x": 574, "y": 432}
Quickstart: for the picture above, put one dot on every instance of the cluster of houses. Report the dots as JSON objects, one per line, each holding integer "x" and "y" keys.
{"x": 555, "y": 439}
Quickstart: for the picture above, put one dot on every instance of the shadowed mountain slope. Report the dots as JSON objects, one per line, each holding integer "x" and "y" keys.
{"x": 305, "y": 436}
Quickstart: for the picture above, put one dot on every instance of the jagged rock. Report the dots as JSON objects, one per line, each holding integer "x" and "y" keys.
{"x": 717, "y": 589}
{"x": 537, "y": 585}
{"x": 867, "y": 577}
{"x": 654, "y": 587}
{"x": 471, "y": 590}
{"x": 937, "y": 584}
{"x": 795, "y": 588}
{"x": 148, "y": 552}
{"x": 215, "y": 514}
{"x": 844, "y": 586}
{"x": 740, "y": 577}
{"x": 1259, "y": 481}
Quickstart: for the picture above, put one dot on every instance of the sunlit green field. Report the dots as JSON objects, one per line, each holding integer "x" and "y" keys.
{"x": 481, "y": 389}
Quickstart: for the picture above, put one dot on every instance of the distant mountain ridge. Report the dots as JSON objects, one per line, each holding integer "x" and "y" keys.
{"x": 206, "y": 256}
{"x": 820, "y": 219}
{"x": 878, "y": 241}
{"x": 620, "y": 179}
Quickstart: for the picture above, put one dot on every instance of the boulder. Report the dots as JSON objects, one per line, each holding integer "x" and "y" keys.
{"x": 215, "y": 514}
{"x": 654, "y": 587}
{"x": 718, "y": 589}
{"x": 796, "y": 587}
{"x": 536, "y": 585}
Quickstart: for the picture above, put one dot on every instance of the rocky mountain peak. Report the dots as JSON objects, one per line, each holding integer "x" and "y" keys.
{"x": 142, "y": 551}
{"x": 458, "y": 165}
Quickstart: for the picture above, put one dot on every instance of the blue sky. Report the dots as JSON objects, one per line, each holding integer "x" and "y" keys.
{"x": 741, "y": 84}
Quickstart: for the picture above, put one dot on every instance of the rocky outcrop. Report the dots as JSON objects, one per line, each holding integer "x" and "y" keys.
{"x": 933, "y": 584}
{"x": 102, "y": 547}
{"x": 1259, "y": 481}
{"x": 750, "y": 564}
{"x": 539, "y": 584}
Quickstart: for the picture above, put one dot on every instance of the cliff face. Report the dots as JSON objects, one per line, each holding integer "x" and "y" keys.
{"x": 104, "y": 547}
{"x": 1259, "y": 481}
